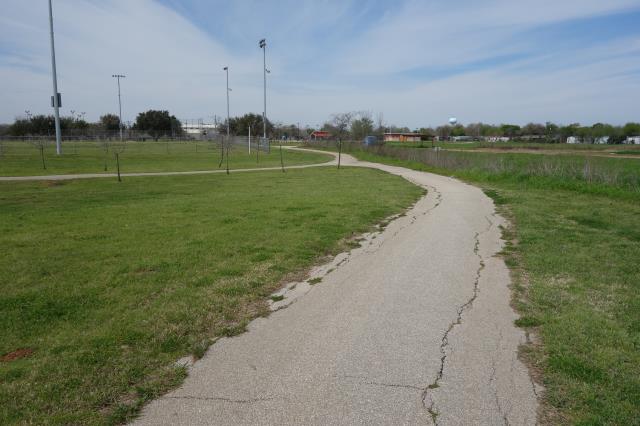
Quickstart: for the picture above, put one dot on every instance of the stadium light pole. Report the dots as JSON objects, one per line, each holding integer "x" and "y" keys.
{"x": 263, "y": 46}
{"x": 56, "y": 98}
{"x": 119, "y": 76}
{"x": 227, "y": 70}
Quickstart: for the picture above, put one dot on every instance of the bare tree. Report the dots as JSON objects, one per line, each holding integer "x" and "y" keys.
{"x": 341, "y": 124}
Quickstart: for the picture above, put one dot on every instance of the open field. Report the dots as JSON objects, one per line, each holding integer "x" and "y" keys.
{"x": 574, "y": 256}
{"x": 24, "y": 159}
{"x": 105, "y": 285}
{"x": 522, "y": 146}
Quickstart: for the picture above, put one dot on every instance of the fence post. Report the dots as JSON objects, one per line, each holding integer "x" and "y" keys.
{"x": 339, "y": 152}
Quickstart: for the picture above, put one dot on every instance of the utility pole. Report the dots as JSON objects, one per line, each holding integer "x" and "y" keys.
{"x": 119, "y": 76}
{"x": 56, "y": 96}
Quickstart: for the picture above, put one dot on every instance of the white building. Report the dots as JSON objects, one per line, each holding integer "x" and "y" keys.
{"x": 200, "y": 130}
{"x": 632, "y": 140}
{"x": 573, "y": 139}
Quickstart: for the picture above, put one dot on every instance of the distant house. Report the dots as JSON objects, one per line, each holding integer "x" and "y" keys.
{"x": 632, "y": 140}
{"x": 573, "y": 140}
{"x": 462, "y": 138}
{"x": 320, "y": 135}
{"x": 402, "y": 137}
{"x": 497, "y": 139}
{"x": 603, "y": 140}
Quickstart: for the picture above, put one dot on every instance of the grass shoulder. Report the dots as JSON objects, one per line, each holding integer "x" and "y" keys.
{"x": 107, "y": 285}
{"x": 573, "y": 248}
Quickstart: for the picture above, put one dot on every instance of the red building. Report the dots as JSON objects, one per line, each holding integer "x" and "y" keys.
{"x": 320, "y": 134}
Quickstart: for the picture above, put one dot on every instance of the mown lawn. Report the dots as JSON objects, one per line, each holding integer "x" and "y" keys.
{"x": 24, "y": 158}
{"x": 576, "y": 262}
{"x": 103, "y": 286}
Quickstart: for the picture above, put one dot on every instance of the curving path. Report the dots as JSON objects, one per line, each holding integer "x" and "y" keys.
{"x": 414, "y": 327}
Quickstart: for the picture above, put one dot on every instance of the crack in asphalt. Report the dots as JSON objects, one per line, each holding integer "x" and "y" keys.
{"x": 220, "y": 398}
{"x": 492, "y": 379}
{"x": 430, "y": 407}
{"x": 366, "y": 381}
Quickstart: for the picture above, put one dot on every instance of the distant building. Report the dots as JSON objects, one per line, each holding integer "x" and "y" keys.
{"x": 603, "y": 140}
{"x": 462, "y": 138}
{"x": 573, "y": 140}
{"x": 402, "y": 137}
{"x": 199, "y": 130}
{"x": 632, "y": 140}
{"x": 320, "y": 134}
{"x": 497, "y": 139}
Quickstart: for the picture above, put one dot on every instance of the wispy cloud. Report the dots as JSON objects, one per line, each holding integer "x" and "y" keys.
{"x": 416, "y": 61}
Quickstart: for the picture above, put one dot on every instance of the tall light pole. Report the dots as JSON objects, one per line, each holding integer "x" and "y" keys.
{"x": 263, "y": 46}
{"x": 56, "y": 97}
{"x": 227, "y": 70}
{"x": 119, "y": 76}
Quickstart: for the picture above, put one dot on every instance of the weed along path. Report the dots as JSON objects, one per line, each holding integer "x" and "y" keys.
{"x": 412, "y": 327}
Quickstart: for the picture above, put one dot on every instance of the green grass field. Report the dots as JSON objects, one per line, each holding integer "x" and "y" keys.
{"x": 24, "y": 159}
{"x": 575, "y": 257}
{"x": 104, "y": 285}
{"x": 514, "y": 146}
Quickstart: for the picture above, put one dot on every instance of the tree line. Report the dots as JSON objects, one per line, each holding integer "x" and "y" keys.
{"x": 357, "y": 125}
{"x": 155, "y": 123}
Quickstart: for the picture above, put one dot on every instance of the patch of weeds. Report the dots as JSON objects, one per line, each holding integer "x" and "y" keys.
{"x": 497, "y": 198}
{"x": 277, "y": 298}
{"x": 314, "y": 281}
{"x": 200, "y": 349}
{"x": 528, "y": 321}
{"x": 233, "y": 330}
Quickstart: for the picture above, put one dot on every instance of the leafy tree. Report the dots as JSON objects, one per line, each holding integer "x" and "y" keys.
{"x": 158, "y": 123}
{"x": 110, "y": 122}
{"x": 551, "y": 131}
{"x": 362, "y": 127}
{"x": 240, "y": 125}
{"x": 631, "y": 129}
{"x": 510, "y": 130}
{"x": 458, "y": 130}
{"x": 533, "y": 129}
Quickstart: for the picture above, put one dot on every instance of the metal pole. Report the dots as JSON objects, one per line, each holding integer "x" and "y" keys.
{"x": 227, "y": 70}
{"x": 119, "y": 76}
{"x": 249, "y": 140}
{"x": 263, "y": 45}
{"x": 56, "y": 103}
{"x": 264, "y": 73}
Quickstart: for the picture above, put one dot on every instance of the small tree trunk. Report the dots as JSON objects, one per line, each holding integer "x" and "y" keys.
{"x": 44, "y": 166}
{"x": 118, "y": 166}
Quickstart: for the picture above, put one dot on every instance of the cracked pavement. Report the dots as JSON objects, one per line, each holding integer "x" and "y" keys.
{"x": 414, "y": 327}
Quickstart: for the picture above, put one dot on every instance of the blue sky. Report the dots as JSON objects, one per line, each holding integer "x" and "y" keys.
{"x": 415, "y": 62}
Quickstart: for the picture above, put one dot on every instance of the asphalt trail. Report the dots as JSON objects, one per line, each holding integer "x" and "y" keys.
{"x": 414, "y": 327}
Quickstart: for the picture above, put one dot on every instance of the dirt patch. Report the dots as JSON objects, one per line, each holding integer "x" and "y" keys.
{"x": 15, "y": 355}
{"x": 52, "y": 183}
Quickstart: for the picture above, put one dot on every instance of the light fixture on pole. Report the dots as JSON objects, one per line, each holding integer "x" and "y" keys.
{"x": 119, "y": 76}
{"x": 56, "y": 98}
